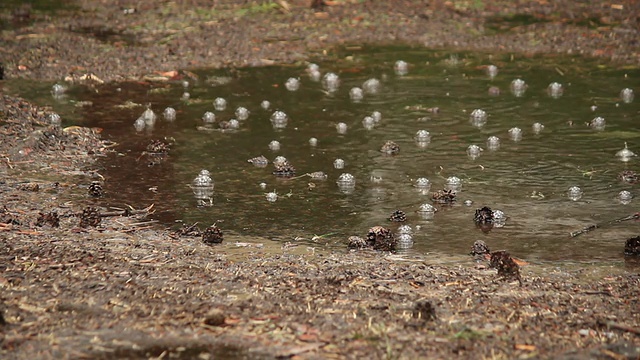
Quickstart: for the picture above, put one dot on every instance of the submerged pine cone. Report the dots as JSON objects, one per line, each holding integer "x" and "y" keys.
{"x": 628, "y": 176}
{"x": 212, "y": 235}
{"x": 483, "y": 216}
{"x": 398, "y": 216}
{"x": 381, "y": 238}
{"x": 479, "y": 249}
{"x": 50, "y": 218}
{"x": 390, "y": 148}
{"x": 506, "y": 266}
{"x": 158, "y": 146}
{"x": 283, "y": 167}
{"x": 356, "y": 242}
{"x": 444, "y": 196}
{"x": 90, "y": 217}
{"x": 632, "y": 246}
{"x": 95, "y": 189}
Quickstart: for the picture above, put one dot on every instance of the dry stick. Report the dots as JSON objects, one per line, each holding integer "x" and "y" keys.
{"x": 589, "y": 228}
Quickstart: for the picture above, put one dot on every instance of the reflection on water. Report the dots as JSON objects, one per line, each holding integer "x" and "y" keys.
{"x": 456, "y": 109}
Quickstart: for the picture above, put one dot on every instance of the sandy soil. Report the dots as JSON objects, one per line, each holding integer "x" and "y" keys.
{"x": 78, "y": 280}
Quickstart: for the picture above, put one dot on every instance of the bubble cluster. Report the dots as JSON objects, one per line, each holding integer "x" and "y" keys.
{"x": 242, "y": 113}
{"x": 371, "y": 86}
{"x": 453, "y": 183}
{"x": 515, "y": 134}
{"x": 274, "y": 145}
{"x": 492, "y": 71}
{"x": 518, "y": 87}
{"x": 493, "y": 143}
{"x": 555, "y": 90}
{"x": 356, "y": 94}
{"x": 331, "y": 82}
{"x": 574, "y": 193}
{"x": 292, "y": 84}
{"x": 279, "y": 119}
{"x": 598, "y": 123}
{"x": 209, "y": 117}
{"x": 338, "y": 164}
{"x": 341, "y": 128}
{"x": 474, "y": 151}
{"x": 627, "y": 95}
{"x": 537, "y": 128}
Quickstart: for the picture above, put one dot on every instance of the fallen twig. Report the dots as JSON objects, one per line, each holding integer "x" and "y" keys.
{"x": 592, "y": 227}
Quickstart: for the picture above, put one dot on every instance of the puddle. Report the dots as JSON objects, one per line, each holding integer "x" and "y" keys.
{"x": 527, "y": 179}
{"x": 18, "y": 13}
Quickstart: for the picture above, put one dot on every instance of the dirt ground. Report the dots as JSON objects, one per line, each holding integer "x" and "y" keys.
{"x": 78, "y": 280}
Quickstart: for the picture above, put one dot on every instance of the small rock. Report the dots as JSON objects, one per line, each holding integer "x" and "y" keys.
{"x": 215, "y": 317}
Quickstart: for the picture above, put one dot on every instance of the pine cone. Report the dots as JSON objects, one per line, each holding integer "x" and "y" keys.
{"x": 632, "y": 246}
{"x": 381, "y": 238}
{"x": 507, "y": 268}
{"x": 50, "y": 218}
{"x": 284, "y": 169}
{"x": 212, "y": 235}
{"x": 483, "y": 216}
{"x": 90, "y": 217}
{"x": 390, "y": 148}
{"x": 356, "y": 242}
{"x": 628, "y": 176}
{"x": 444, "y": 196}
{"x": 398, "y": 216}
{"x": 479, "y": 249}
{"x": 95, "y": 189}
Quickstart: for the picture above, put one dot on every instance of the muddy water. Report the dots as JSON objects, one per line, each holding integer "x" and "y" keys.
{"x": 527, "y": 179}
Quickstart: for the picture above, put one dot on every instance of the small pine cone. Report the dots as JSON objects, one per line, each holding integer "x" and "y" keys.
{"x": 90, "y": 217}
{"x": 381, "y": 238}
{"x": 444, "y": 196}
{"x": 424, "y": 310}
{"x": 95, "y": 189}
{"x": 284, "y": 169}
{"x": 398, "y": 216}
{"x": 158, "y": 146}
{"x": 212, "y": 235}
{"x": 479, "y": 249}
{"x": 50, "y": 218}
{"x": 632, "y": 246}
{"x": 506, "y": 266}
{"x": 483, "y": 216}
{"x": 356, "y": 242}
{"x": 628, "y": 176}
{"x": 390, "y": 148}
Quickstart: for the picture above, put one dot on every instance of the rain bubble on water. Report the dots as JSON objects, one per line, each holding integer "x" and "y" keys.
{"x": 265, "y": 104}
{"x": 330, "y": 82}
{"x": 185, "y": 84}
{"x": 185, "y": 96}
{"x": 518, "y": 87}
{"x": 499, "y": 218}
{"x": 341, "y": 128}
{"x": 58, "y": 90}
{"x": 209, "y": 117}
{"x": 356, "y": 94}
{"x": 263, "y": 185}
{"x": 279, "y": 119}
{"x": 313, "y": 141}
{"x": 346, "y": 181}
{"x": 478, "y": 118}
{"x": 423, "y": 136}
{"x": 271, "y": 196}
{"x": 371, "y": 86}
{"x": 54, "y": 119}
{"x": 453, "y": 183}
{"x": 492, "y": 71}
{"x": 555, "y": 90}
{"x": 627, "y": 95}
{"x": 515, "y": 134}
{"x": 598, "y": 123}
{"x": 318, "y": 175}
{"x": 368, "y": 122}
{"x": 427, "y": 211}
{"x": 313, "y": 67}
{"x": 315, "y": 75}
{"x": 493, "y": 143}
{"x": 423, "y": 185}
{"x": 474, "y": 151}
{"x": 377, "y": 116}
{"x": 149, "y": 117}
{"x": 169, "y": 114}
{"x": 401, "y": 68}
{"x": 274, "y": 145}
{"x": 537, "y": 128}
{"x": 574, "y": 193}
{"x": 338, "y": 164}
{"x": 203, "y": 179}
{"x": 625, "y": 197}
{"x": 242, "y": 113}
{"x": 139, "y": 124}
{"x": 625, "y": 154}
{"x": 233, "y": 124}
{"x": 405, "y": 241}
{"x": 405, "y": 229}
{"x": 494, "y": 91}
{"x": 219, "y": 104}
{"x": 468, "y": 202}
{"x": 292, "y": 84}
